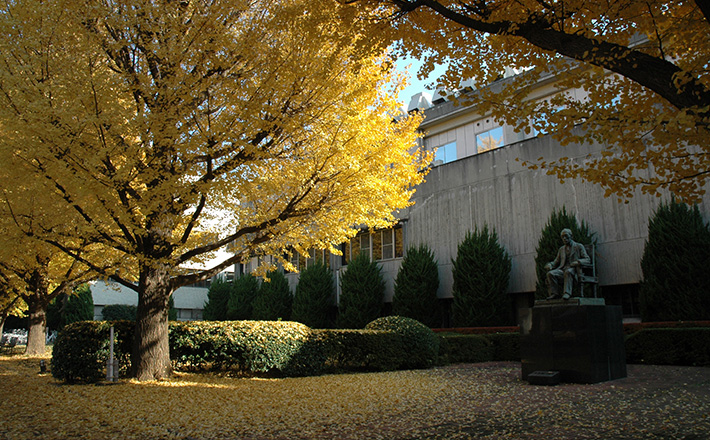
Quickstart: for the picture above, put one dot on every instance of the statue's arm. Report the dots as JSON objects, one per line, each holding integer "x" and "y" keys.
{"x": 553, "y": 264}
{"x": 583, "y": 255}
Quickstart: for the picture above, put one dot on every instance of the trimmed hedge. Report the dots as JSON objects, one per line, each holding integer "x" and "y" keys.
{"x": 669, "y": 346}
{"x": 82, "y": 349}
{"x": 257, "y": 347}
{"x": 466, "y": 348}
{"x": 275, "y": 348}
{"x": 633, "y": 327}
{"x": 361, "y": 350}
{"x": 421, "y": 343}
{"x": 506, "y": 346}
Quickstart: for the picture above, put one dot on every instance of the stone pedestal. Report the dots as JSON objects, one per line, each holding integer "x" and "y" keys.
{"x": 582, "y": 338}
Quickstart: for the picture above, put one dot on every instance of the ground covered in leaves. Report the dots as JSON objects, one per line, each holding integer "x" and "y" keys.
{"x": 464, "y": 401}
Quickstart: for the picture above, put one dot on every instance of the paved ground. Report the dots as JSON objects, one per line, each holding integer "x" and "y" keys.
{"x": 463, "y": 401}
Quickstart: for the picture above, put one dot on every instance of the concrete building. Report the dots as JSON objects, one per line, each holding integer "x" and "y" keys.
{"x": 477, "y": 179}
{"x": 189, "y": 301}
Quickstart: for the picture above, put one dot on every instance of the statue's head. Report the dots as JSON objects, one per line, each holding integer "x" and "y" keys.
{"x": 566, "y": 235}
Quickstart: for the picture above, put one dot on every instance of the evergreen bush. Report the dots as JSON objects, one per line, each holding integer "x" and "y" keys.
{"x": 669, "y": 346}
{"x": 416, "y": 286}
{"x": 481, "y": 272}
{"x": 172, "y": 311}
{"x": 218, "y": 295}
{"x": 241, "y": 299}
{"x": 119, "y": 312}
{"x": 82, "y": 349}
{"x": 362, "y": 293}
{"x": 467, "y": 348}
{"x": 314, "y": 296}
{"x": 274, "y": 299}
{"x": 420, "y": 342}
{"x": 79, "y": 306}
{"x": 66, "y": 309}
{"x": 550, "y": 243}
{"x": 675, "y": 265}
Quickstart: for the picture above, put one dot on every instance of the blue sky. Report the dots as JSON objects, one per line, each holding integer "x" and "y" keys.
{"x": 416, "y": 85}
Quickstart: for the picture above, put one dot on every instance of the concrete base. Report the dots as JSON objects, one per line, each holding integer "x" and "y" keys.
{"x": 544, "y": 378}
{"x": 583, "y": 342}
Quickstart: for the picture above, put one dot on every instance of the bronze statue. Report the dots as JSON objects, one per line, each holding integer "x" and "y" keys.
{"x": 562, "y": 273}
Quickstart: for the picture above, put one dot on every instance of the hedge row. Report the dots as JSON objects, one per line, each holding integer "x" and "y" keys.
{"x": 657, "y": 346}
{"x": 293, "y": 349}
{"x": 479, "y": 347}
{"x": 278, "y": 348}
{"x": 669, "y": 346}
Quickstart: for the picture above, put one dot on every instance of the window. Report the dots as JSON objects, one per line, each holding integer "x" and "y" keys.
{"x": 313, "y": 256}
{"x": 445, "y": 153}
{"x": 489, "y": 140}
{"x": 387, "y": 244}
{"x": 383, "y": 244}
{"x": 365, "y": 244}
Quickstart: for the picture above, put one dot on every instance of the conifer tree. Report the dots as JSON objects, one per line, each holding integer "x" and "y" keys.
{"x": 119, "y": 312}
{"x": 79, "y": 306}
{"x": 362, "y": 293}
{"x": 550, "y": 242}
{"x": 241, "y": 299}
{"x": 416, "y": 285}
{"x": 274, "y": 299}
{"x": 675, "y": 265}
{"x": 314, "y": 296}
{"x": 65, "y": 309}
{"x": 217, "y": 298}
{"x": 481, "y": 272}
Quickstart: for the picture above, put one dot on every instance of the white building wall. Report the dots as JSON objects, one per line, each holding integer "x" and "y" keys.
{"x": 188, "y": 301}
{"x": 493, "y": 188}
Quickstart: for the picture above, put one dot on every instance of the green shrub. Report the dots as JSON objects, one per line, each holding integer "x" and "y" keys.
{"x": 79, "y": 306}
{"x": 274, "y": 299}
{"x": 675, "y": 265}
{"x": 255, "y": 347}
{"x": 664, "y": 346}
{"x": 422, "y": 344}
{"x": 550, "y": 242}
{"x": 314, "y": 296}
{"x": 361, "y": 350}
{"x": 279, "y": 348}
{"x": 82, "y": 349}
{"x": 362, "y": 293}
{"x": 481, "y": 272}
{"x": 416, "y": 286}
{"x": 215, "y": 308}
{"x": 66, "y": 309}
{"x": 119, "y": 312}
{"x": 241, "y": 299}
{"x": 467, "y": 348}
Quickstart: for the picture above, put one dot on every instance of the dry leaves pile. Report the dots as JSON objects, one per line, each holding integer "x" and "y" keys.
{"x": 465, "y": 401}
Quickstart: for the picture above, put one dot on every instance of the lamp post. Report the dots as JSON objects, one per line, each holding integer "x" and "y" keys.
{"x": 112, "y": 363}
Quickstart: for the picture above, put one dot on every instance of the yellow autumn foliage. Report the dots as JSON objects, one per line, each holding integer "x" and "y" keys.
{"x": 639, "y": 69}
{"x": 163, "y": 132}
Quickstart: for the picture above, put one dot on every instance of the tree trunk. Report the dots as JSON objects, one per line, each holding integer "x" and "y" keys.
{"x": 151, "y": 352}
{"x": 36, "y": 336}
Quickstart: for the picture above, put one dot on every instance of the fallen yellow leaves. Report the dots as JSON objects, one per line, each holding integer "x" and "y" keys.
{"x": 464, "y": 401}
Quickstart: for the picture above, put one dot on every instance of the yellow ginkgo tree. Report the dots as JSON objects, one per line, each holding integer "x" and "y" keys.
{"x": 32, "y": 271}
{"x": 168, "y": 131}
{"x": 642, "y": 65}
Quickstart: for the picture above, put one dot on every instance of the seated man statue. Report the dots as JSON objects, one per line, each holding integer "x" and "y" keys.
{"x": 562, "y": 273}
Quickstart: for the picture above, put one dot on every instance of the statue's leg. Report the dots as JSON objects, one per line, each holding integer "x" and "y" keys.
{"x": 553, "y": 283}
{"x": 569, "y": 277}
